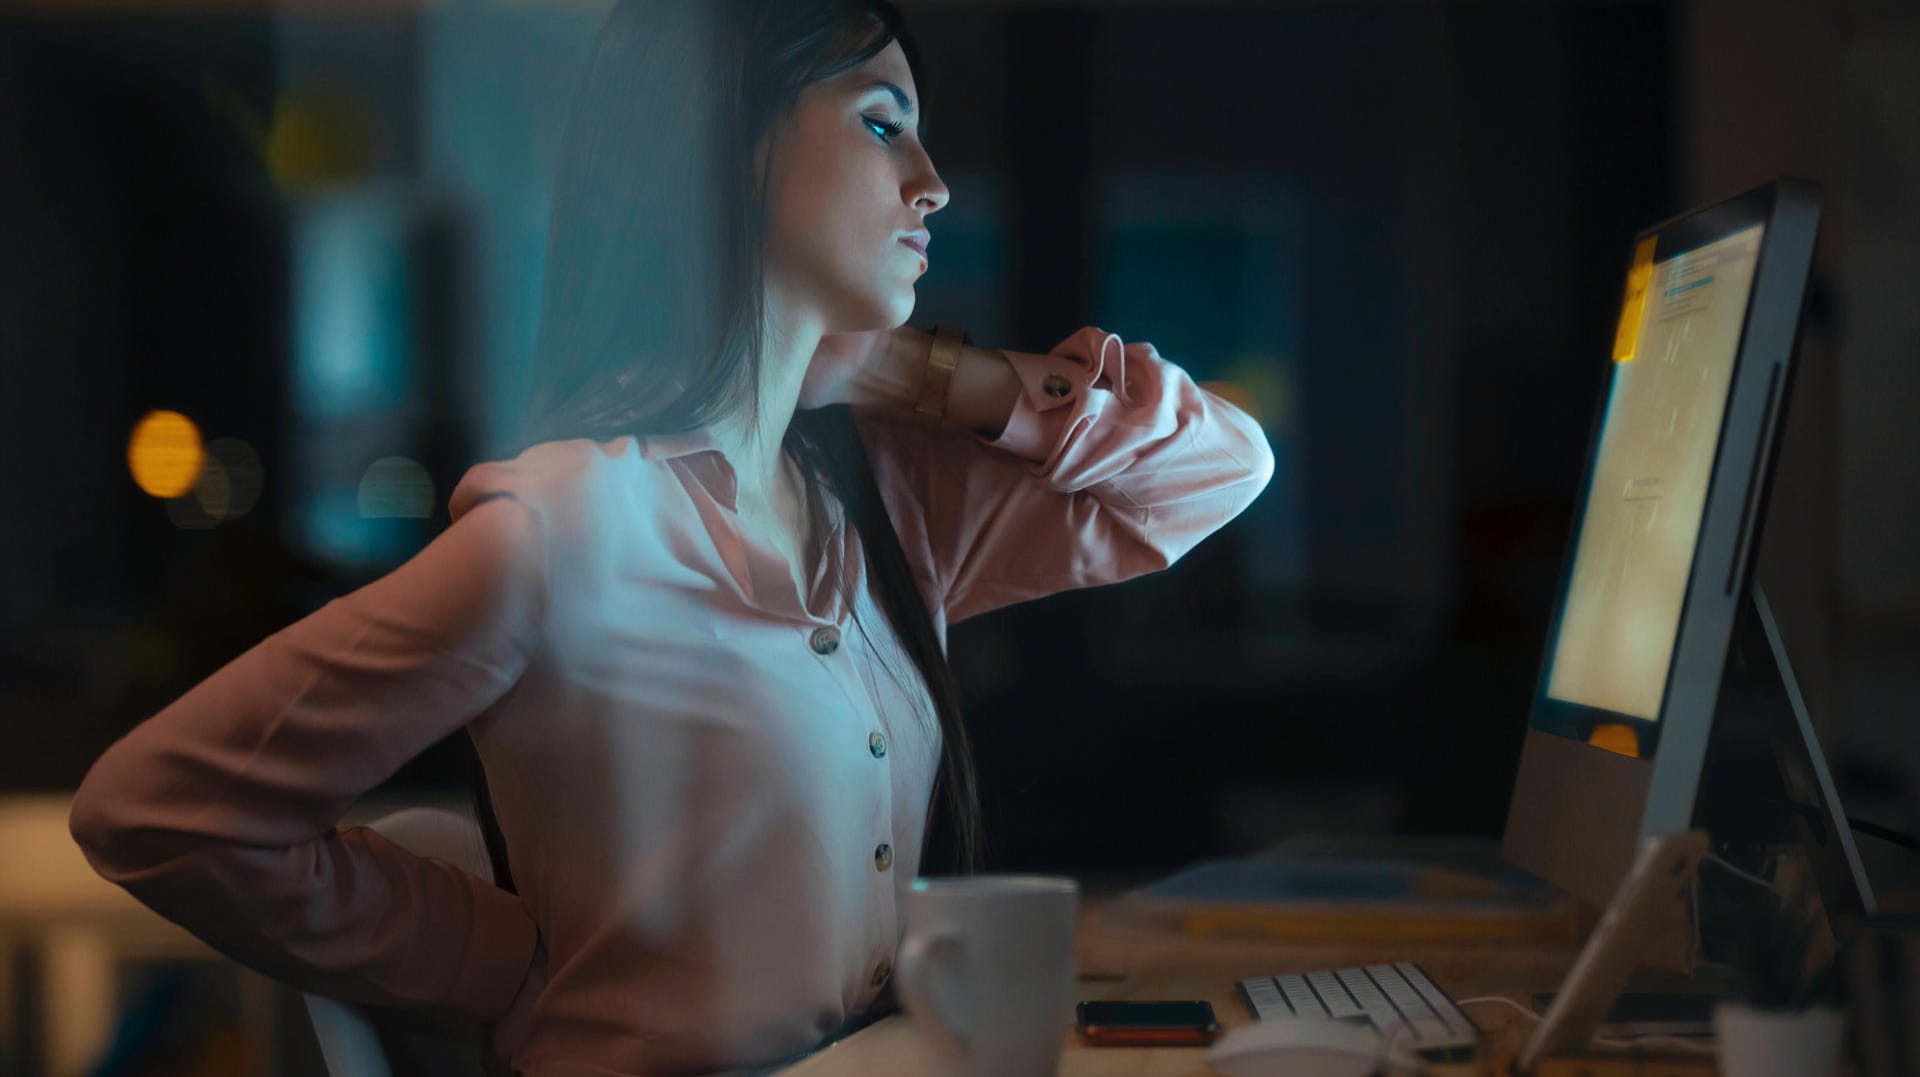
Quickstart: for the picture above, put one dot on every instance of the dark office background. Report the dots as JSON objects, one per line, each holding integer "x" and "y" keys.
{"x": 1397, "y": 229}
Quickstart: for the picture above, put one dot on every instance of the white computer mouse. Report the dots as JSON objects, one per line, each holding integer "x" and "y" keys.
{"x": 1308, "y": 1047}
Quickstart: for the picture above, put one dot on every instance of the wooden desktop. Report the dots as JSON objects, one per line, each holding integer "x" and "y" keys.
{"x": 1119, "y": 959}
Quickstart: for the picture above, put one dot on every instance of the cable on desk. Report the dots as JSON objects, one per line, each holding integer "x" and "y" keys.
{"x": 1740, "y": 872}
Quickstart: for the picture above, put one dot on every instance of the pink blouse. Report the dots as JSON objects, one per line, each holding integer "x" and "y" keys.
{"x": 712, "y": 788}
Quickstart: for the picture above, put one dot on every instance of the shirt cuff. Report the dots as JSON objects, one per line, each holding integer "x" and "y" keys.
{"x": 1054, "y": 388}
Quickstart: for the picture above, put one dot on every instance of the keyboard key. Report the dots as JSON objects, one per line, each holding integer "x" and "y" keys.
{"x": 1300, "y": 996}
{"x": 1442, "y": 1004}
{"x": 1265, "y": 999}
{"x": 1367, "y": 995}
{"x": 1399, "y": 992}
{"x": 1338, "y": 1001}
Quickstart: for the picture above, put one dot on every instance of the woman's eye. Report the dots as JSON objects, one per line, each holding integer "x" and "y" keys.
{"x": 888, "y": 131}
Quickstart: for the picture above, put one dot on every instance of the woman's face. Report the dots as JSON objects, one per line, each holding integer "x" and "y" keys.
{"x": 846, "y": 192}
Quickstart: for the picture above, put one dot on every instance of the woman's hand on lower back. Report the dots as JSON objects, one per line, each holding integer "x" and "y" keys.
{"x": 514, "y": 1026}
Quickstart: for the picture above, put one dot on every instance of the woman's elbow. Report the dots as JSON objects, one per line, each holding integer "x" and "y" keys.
{"x": 106, "y": 820}
{"x": 94, "y": 818}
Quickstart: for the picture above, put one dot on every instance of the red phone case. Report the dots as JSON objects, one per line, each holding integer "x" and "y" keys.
{"x": 1135, "y": 1036}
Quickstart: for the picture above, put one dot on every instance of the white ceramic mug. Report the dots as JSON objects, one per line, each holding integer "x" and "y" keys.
{"x": 986, "y": 972}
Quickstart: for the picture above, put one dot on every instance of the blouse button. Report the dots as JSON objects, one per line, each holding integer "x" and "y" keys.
{"x": 826, "y": 640}
{"x": 881, "y": 973}
{"x": 1056, "y": 385}
{"x": 877, "y": 744}
{"x": 883, "y": 857}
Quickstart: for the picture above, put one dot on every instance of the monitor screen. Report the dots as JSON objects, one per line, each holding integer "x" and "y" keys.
{"x": 1613, "y": 645}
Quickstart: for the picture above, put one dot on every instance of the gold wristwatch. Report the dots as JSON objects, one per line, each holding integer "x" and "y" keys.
{"x": 934, "y": 382}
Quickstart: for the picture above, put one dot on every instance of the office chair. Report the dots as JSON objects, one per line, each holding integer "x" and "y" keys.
{"x": 362, "y": 1041}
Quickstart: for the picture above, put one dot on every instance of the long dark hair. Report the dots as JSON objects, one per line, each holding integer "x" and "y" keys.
{"x": 653, "y": 306}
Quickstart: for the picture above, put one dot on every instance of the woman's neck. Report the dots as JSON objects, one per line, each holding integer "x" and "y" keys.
{"x": 754, "y": 448}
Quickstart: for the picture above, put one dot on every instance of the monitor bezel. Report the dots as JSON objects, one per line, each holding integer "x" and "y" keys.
{"x": 1579, "y": 810}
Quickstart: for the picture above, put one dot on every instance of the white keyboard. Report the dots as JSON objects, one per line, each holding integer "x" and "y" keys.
{"x": 1397, "y": 1000}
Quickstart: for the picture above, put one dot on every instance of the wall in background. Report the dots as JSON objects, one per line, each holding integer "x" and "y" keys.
{"x": 1825, "y": 91}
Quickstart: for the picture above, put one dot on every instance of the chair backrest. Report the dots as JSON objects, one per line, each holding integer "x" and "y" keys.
{"x": 354, "y": 1041}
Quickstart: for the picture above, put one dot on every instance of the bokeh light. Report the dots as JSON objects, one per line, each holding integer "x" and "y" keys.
{"x": 321, "y": 136}
{"x": 213, "y": 493}
{"x": 230, "y": 482}
{"x": 1236, "y": 395}
{"x": 187, "y": 515}
{"x": 396, "y": 486}
{"x": 1267, "y": 380}
{"x": 165, "y": 454}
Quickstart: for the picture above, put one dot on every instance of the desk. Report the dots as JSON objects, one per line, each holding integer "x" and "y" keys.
{"x": 1162, "y": 966}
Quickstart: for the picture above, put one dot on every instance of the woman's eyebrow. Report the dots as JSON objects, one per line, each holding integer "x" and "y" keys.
{"x": 899, "y": 96}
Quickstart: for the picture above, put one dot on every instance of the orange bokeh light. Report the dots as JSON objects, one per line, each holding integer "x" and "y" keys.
{"x": 165, "y": 454}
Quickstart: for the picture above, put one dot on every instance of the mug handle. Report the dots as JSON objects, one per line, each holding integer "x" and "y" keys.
{"x": 919, "y": 967}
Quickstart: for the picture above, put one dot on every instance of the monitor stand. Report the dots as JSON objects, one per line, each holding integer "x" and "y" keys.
{"x": 1765, "y": 781}
{"x": 1764, "y": 784}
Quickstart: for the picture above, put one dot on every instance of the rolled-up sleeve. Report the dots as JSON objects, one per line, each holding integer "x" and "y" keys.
{"x": 220, "y": 811}
{"x": 1114, "y": 463}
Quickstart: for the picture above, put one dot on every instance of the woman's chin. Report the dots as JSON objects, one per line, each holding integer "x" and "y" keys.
{"x": 878, "y": 311}
{"x": 900, "y": 318}
{"x": 895, "y": 312}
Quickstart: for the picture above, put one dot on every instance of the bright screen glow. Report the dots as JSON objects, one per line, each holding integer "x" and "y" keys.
{"x": 1649, "y": 484}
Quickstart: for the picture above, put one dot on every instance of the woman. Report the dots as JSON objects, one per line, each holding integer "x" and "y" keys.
{"x": 696, "y": 626}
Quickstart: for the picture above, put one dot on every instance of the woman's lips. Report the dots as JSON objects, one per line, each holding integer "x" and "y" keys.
{"x": 919, "y": 245}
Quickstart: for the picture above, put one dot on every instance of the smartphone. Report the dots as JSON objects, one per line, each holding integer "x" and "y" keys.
{"x": 1147, "y": 1024}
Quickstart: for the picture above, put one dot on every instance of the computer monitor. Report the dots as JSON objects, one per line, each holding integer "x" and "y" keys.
{"x": 1659, "y": 644}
